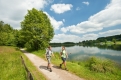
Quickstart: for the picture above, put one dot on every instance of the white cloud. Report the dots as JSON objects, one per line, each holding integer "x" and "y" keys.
{"x": 86, "y": 3}
{"x": 13, "y": 11}
{"x": 111, "y": 53}
{"x": 73, "y": 38}
{"x": 108, "y": 17}
{"x": 61, "y": 8}
{"x": 55, "y": 24}
{"x": 91, "y": 50}
{"x": 83, "y": 27}
{"x": 110, "y": 32}
{"x": 66, "y": 38}
{"x": 64, "y": 29}
{"x": 90, "y": 36}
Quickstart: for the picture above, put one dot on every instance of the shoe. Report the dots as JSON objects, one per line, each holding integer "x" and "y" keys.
{"x": 50, "y": 70}
{"x": 60, "y": 65}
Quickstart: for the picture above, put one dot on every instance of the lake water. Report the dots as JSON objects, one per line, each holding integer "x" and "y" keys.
{"x": 79, "y": 53}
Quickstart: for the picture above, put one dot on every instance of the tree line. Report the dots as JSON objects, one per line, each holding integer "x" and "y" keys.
{"x": 98, "y": 41}
{"x": 36, "y": 32}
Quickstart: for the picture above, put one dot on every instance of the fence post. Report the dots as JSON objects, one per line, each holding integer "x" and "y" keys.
{"x": 29, "y": 75}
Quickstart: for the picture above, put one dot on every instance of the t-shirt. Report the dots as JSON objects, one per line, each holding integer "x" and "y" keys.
{"x": 63, "y": 54}
{"x": 48, "y": 52}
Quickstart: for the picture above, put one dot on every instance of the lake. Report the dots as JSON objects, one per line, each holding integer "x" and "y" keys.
{"x": 79, "y": 53}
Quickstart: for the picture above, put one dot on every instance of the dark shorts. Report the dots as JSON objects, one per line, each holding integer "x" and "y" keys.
{"x": 63, "y": 59}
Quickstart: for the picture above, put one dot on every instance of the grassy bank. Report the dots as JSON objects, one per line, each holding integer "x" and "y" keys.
{"x": 112, "y": 43}
{"x": 92, "y": 69}
{"x": 11, "y": 67}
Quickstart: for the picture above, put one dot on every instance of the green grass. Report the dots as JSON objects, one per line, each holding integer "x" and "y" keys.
{"x": 112, "y": 43}
{"x": 11, "y": 67}
{"x": 118, "y": 42}
{"x": 92, "y": 69}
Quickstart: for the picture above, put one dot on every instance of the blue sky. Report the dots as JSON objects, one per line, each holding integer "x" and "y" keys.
{"x": 73, "y": 21}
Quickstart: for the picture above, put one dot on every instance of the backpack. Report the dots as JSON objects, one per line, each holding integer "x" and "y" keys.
{"x": 47, "y": 54}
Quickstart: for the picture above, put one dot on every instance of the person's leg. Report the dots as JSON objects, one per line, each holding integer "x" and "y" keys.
{"x": 65, "y": 63}
{"x": 62, "y": 62}
{"x": 49, "y": 64}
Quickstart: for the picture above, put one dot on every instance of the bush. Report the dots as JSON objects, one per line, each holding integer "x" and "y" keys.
{"x": 101, "y": 65}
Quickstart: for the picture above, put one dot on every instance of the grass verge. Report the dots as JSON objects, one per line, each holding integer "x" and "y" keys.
{"x": 92, "y": 69}
{"x": 11, "y": 67}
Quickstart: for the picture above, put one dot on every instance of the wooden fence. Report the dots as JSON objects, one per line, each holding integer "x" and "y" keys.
{"x": 29, "y": 75}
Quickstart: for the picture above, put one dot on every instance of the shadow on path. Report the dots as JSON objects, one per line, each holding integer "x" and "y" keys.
{"x": 43, "y": 67}
{"x": 57, "y": 67}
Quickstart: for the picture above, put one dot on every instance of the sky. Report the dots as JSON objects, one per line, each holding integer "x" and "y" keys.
{"x": 73, "y": 21}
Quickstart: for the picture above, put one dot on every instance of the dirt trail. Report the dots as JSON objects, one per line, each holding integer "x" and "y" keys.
{"x": 56, "y": 74}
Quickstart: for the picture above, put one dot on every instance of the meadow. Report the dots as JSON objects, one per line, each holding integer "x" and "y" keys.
{"x": 11, "y": 67}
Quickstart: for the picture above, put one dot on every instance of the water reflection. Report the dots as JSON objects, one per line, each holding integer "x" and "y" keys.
{"x": 111, "y": 52}
{"x": 112, "y": 47}
{"x": 90, "y": 50}
{"x": 82, "y": 53}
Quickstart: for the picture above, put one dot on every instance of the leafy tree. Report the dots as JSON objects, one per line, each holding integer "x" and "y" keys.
{"x": 37, "y": 30}
{"x": 19, "y": 41}
{"x": 114, "y": 40}
{"x": 6, "y": 34}
{"x": 105, "y": 41}
{"x": 1, "y": 25}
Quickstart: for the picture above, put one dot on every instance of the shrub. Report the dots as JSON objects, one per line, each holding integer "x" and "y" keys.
{"x": 101, "y": 65}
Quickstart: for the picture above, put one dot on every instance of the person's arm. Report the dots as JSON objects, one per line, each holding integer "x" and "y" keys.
{"x": 66, "y": 55}
{"x": 45, "y": 55}
{"x": 52, "y": 54}
{"x": 60, "y": 53}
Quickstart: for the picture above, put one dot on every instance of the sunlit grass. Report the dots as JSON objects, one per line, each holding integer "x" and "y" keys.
{"x": 118, "y": 42}
{"x": 11, "y": 67}
{"x": 112, "y": 43}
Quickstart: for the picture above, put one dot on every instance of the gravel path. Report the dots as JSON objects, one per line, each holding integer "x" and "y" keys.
{"x": 56, "y": 74}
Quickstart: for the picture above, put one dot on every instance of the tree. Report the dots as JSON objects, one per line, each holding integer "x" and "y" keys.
{"x": 6, "y": 34}
{"x": 36, "y": 30}
{"x": 105, "y": 41}
{"x": 114, "y": 40}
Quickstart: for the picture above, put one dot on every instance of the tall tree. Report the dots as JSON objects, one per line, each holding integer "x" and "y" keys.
{"x": 105, "y": 41}
{"x": 36, "y": 30}
{"x": 114, "y": 40}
